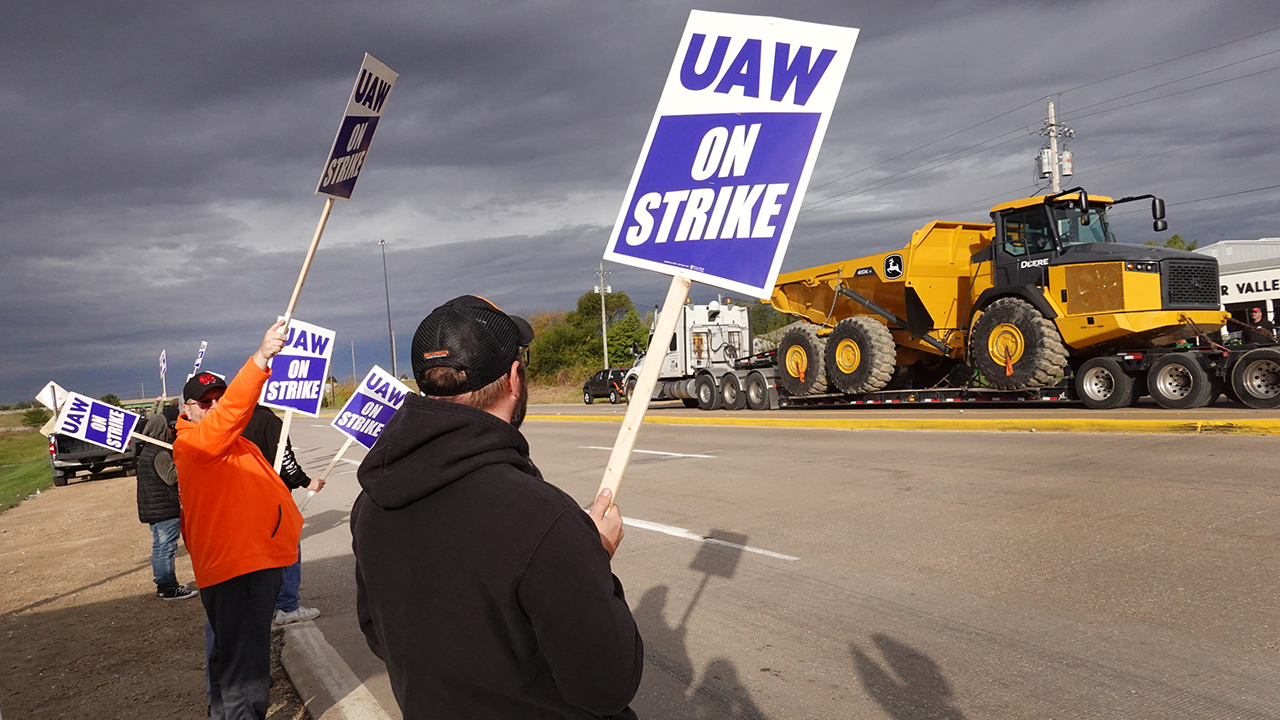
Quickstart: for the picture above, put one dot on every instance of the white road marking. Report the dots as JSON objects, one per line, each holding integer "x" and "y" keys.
{"x": 649, "y": 452}
{"x": 321, "y": 426}
{"x": 688, "y": 535}
{"x": 349, "y": 461}
{"x": 353, "y": 472}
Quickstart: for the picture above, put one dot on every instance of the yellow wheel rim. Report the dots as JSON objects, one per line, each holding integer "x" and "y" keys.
{"x": 797, "y": 361}
{"x": 1006, "y": 344}
{"x": 848, "y": 356}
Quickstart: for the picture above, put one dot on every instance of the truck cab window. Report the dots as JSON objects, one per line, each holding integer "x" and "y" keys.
{"x": 1072, "y": 232}
{"x": 1027, "y": 231}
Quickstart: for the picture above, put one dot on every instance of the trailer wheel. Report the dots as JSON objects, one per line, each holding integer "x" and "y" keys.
{"x": 860, "y": 355}
{"x": 731, "y": 395}
{"x": 1102, "y": 384}
{"x": 708, "y": 395}
{"x": 1256, "y": 378}
{"x": 1178, "y": 382}
{"x": 1014, "y": 346}
{"x": 800, "y": 362}
{"x": 757, "y": 392}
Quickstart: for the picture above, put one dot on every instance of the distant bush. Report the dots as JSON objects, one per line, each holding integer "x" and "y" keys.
{"x": 35, "y": 417}
{"x": 110, "y": 399}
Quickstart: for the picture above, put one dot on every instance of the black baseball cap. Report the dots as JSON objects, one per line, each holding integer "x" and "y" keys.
{"x": 201, "y": 383}
{"x": 472, "y": 335}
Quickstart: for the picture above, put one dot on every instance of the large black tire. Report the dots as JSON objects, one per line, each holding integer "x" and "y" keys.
{"x": 614, "y": 396}
{"x": 800, "y": 362}
{"x": 1256, "y": 378}
{"x": 1014, "y": 346}
{"x": 1102, "y": 384}
{"x": 757, "y": 392}
{"x": 690, "y": 402}
{"x": 707, "y": 392}
{"x": 631, "y": 388}
{"x": 731, "y": 395}
{"x": 586, "y": 397}
{"x": 1177, "y": 382}
{"x": 860, "y": 355}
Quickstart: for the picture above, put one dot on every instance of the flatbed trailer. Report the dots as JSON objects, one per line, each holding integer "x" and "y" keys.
{"x": 1175, "y": 377}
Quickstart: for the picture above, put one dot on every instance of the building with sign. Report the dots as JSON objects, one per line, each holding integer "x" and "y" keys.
{"x": 1249, "y": 271}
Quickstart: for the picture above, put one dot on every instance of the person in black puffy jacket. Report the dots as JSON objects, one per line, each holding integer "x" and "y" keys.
{"x": 159, "y": 507}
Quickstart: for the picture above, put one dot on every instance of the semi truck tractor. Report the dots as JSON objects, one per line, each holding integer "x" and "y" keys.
{"x": 1040, "y": 303}
{"x": 698, "y": 366}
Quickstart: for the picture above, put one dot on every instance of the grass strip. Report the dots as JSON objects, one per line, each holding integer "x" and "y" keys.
{"x": 24, "y": 467}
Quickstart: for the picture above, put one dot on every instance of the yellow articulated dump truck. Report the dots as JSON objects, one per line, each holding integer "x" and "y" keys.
{"x": 1041, "y": 303}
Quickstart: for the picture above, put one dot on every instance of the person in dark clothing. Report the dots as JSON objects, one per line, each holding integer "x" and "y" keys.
{"x": 1261, "y": 330}
{"x": 158, "y": 506}
{"x": 486, "y": 590}
{"x": 264, "y": 430}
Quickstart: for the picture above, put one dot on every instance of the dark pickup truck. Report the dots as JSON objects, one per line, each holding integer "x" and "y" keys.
{"x": 69, "y": 456}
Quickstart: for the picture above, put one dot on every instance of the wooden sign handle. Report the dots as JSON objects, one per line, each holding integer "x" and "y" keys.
{"x": 638, "y": 400}
{"x": 284, "y": 438}
{"x": 306, "y": 264}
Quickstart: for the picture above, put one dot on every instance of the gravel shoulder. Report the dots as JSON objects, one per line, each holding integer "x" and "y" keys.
{"x": 82, "y": 633}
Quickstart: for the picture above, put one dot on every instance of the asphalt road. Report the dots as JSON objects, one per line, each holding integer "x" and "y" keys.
{"x": 883, "y": 574}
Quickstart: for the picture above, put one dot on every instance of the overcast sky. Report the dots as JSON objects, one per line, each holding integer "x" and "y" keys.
{"x": 161, "y": 158}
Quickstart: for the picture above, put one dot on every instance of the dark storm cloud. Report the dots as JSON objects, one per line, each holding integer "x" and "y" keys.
{"x": 160, "y": 158}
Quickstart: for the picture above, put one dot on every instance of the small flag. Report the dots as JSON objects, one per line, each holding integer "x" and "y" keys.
{"x": 200, "y": 357}
{"x": 164, "y": 364}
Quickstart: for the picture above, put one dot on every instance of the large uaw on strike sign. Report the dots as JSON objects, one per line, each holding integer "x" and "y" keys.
{"x": 371, "y": 406}
{"x": 96, "y": 422}
{"x": 298, "y": 372}
{"x": 729, "y": 154}
{"x": 355, "y": 134}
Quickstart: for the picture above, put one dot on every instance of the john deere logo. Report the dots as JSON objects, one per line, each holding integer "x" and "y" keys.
{"x": 893, "y": 267}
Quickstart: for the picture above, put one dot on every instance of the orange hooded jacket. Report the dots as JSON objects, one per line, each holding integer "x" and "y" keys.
{"x": 237, "y": 515}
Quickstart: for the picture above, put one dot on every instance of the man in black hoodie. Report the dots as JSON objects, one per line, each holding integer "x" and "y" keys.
{"x": 486, "y": 590}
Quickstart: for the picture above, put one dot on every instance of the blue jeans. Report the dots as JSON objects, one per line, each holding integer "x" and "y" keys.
{"x": 164, "y": 544}
{"x": 288, "y": 599}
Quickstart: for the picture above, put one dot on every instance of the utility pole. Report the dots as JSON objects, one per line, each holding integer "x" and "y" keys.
{"x": 1052, "y": 163}
{"x": 387, "y": 287}
{"x": 601, "y": 275}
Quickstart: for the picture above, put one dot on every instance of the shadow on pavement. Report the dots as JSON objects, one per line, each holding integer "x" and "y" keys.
{"x": 323, "y": 522}
{"x": 671, "y": 692}
{"x": 909, "y": 686}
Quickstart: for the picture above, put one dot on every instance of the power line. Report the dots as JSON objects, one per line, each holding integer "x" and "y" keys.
{"x": 1169, "y": 95}
{"x": 1172, "y": 82}
{"x": 922, "y": 147}
{"x": 1165, "y": 62}
{"x": 907, "y": 174}
{"x": 1184, "y": 147}
{"x": 1204, "y": 199}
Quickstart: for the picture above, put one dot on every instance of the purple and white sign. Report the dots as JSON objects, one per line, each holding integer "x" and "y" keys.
{"x": 299, "y": 371}
{"x": 96, "y": 422}
{"x": 204, "y": 345}
{"x": 371, "y": 406}
{"x": 355, "y": 134}
{"x": 729, "y": 154}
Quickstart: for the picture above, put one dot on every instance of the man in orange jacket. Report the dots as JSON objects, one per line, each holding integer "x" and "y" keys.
{"x": 240, "y": 527}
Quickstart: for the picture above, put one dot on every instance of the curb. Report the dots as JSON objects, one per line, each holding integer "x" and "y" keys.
{"x": 327, "y": 686}
{"x": 1180, "y": 427}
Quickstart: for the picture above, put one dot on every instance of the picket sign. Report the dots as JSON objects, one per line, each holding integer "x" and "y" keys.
{"x": 97, "y": 422}
{"x": 341, "y": 170}
{"x": 365, "y": 414}
{"x": 724, "y": 169}
{"x": 164, "y": 369}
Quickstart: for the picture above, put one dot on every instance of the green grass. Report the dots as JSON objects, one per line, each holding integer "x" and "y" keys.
{"x": 24, "y": 467}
